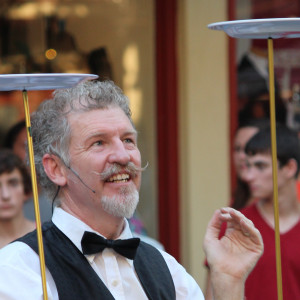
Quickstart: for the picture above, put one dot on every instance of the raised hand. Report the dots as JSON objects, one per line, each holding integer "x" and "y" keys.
{"x": 232, "y": 257}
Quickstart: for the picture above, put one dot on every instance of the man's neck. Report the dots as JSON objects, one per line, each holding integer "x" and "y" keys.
{"x": 14, "y": 228}
{"x": 288, "y": 208}
{"x": 111, "y": 227}
{"x": 107, "y": 225}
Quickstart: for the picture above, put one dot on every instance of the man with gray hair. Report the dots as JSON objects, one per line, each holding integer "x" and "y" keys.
{"x": 87, "y": 159}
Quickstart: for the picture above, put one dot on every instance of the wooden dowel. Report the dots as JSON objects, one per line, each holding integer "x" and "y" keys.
{"x": 35, "y": 196}
{"x": 274, "y": 165}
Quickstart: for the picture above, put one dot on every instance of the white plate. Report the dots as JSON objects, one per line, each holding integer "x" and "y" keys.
{"x": 51, "y": 81}
{"x": 260, "y": 28}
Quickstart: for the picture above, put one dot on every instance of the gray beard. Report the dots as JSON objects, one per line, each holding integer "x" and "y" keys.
{"x": 121, "y": 205}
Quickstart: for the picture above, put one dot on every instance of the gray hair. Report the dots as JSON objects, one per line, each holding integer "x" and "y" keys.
{"x": 50, "y": 128}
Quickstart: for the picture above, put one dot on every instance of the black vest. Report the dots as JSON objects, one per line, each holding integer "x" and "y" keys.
{"x": 75, "y": 279}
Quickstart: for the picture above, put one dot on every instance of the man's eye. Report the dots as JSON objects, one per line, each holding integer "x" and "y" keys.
{"x": 14, "y": 183}
{"x": 238, "y": 149}
{"x": 98, "y": 143}
{"x": 129, "y": 141}
{"x": 261, "y": 166}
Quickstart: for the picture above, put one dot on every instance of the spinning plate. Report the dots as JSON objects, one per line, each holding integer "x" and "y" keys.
{"x": 260, "y": 28}
{"x": 51, "y": 81}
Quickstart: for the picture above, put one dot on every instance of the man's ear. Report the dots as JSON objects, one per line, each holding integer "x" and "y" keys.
{"x": 291, "y": 168}
{"x": 54, "y": 169}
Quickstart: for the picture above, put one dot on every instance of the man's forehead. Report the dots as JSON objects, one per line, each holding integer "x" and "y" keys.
{"x": 99, "y": 121}
{"x": 104, "y": 112}
{"x": 259, "y": 157}
{"x": 9, "y": 174}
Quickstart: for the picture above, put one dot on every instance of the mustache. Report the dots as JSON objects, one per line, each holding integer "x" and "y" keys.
{"x": 130, "y": 168}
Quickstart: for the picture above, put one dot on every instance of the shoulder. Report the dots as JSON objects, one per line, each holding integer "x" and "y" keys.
{"x": 18, "y": 255}
{"x": 20, "y": 276}
{"x": 185, "y": 285}
{"x": 19, "y": 266}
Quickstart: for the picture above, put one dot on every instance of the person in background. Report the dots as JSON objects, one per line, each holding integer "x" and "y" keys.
{"x": 15, "y": 186}
{"x": 241, "y": 194}
{"x": 16, "y": 140}
{"x": 262, "y": 282}
{"x": 86, "y": 153}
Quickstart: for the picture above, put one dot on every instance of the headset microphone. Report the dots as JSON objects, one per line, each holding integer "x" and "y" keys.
{"x": 76, "y": 174}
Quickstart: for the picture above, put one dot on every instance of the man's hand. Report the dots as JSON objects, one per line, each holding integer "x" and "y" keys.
{"x": 232, "y": 257}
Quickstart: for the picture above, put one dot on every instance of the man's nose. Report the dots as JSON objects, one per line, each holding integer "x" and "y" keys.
{"x": 247, "y": 174}
{"x": 4, "y": 192}
{"x": 119, "y": 154}
{"x": 242, "y": 153}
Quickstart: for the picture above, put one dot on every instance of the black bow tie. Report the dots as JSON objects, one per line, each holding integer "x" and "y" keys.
{"x": 92, "y": 243}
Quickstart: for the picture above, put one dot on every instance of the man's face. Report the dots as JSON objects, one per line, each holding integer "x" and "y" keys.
{"x": 12, "y": 195}
{"x": 102, "y": 139}
{"x": 19, "y": 146}
{"x": 242, "y": 136}
{"x": 258, "y": 176}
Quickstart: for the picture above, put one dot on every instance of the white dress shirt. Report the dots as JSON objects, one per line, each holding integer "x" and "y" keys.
{"x": 20, "y": 277}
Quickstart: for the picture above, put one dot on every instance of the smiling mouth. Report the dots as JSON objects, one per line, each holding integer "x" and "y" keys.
{"x": 119, "y": 178}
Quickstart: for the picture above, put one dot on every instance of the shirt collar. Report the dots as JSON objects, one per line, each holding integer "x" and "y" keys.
{"x": 74, "y": 229}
